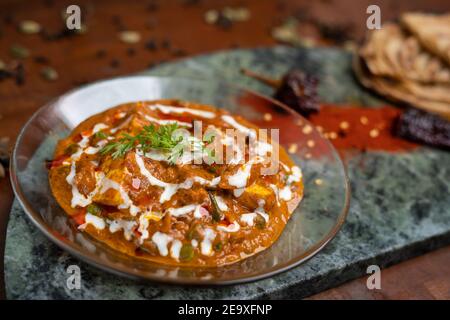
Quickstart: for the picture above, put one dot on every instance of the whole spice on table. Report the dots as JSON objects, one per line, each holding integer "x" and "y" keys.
{"x": 19, "y": 52}
{"x": 424, "y": 127}
{"x": 63, "y": 33}
{"x": 129, "y": 36}
{"x": 49, "y": 74}
{"x": 296, "y": 89}
{"x": 29, "y": 27}
{"x": 14, "y": 70}
{"x": 299, "y": 91}
{"x": 4, "y": 155}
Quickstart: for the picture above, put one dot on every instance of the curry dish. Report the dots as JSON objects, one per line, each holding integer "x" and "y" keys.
{"x": 123, "y": 178}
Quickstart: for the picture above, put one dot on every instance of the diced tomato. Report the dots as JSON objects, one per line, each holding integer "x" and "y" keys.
{"x": 137, "y": 233}
{"x": 59, "y": 235}
{"x": 86, "y": 133}
{"x": 77, "y": 138}
{"x": 173, "y": 117}
{"x": 226, "y": 221}
{"x": 79, "y": 217}
{"x": 50, "y": 164}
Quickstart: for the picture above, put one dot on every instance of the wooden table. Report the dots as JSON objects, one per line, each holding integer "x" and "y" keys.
{"x": 178, "y": 28}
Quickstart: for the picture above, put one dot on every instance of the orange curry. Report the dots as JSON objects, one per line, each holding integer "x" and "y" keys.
{"x": 117, "y": 178}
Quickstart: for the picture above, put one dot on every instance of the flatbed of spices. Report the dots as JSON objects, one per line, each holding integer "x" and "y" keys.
{"x": 345, "y": 129}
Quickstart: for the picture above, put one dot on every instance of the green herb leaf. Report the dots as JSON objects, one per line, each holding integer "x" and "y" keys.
{"x": 100, "y": 135}
{"x": 94, "y": 209}
{"x": 148, "y": 138}
{"x": 216, "y": 212}
{"x": 71, "y": 149}
{"x": 218, "y": 246}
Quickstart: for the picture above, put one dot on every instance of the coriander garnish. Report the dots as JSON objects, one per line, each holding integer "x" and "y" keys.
{"x": 148, "y": 138}
{"x": 100, "y": 135}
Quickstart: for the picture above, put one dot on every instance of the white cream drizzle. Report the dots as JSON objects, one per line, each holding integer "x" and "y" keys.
{"x": 94, "y": 150}
{"x": 156, "y": 155}
{"x": 206, "y": 244}
{"x": 120, "y": 224}
{"x": 175, "y": 249}
{"x": 171, "y": 188}
{"x": 97, "y": 222}
{"x": 79, "y": 199}
{"x": 232, "y": 122}
{"x": 121, "y": 115}
{"x": 276, "y": 191}
{"x": 248, "y": 218}
{"x": 221, "y": 203}
{"x": 98, "y": 127}
{"x": 211, "y": 183}
{"x": 262, "y": 148}
{"x": 170, "y": 109}
{"x": 107, "y": 184}
{"x": 176, "y": 212}
{"x": 144, "y": 219}
{"x": 286, "y": 193}
{"x": 238, "y": 155}
{"x": 239, "y": 179}
{"x": 169, "y": 121}
{"x": 233, "y": 227}
{"x": 161, "y": 240}
{"x": 238, "y": 192}
{"x": 296, "y": 175}
{"x": 260, "y": 210}
{"x": 121, "y": 125}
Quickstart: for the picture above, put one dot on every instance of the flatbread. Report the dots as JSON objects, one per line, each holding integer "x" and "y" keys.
{"x": 409, "y": 93}
{"x": 389, "y": 52}
{"x": 432, "y": 31}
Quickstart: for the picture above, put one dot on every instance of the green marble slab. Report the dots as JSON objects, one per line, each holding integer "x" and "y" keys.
{"x": 400, "y": 204}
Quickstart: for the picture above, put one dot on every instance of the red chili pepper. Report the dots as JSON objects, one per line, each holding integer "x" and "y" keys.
{"x": 137, "y": 233}
{"x": 173, "y": 117}
{"x": 86, "y": 133}
{"x": 77, "y": 138}
{"x": 50, "y": 164}
{"x": 58, "y": 235}
{"x": 79, "y": 217}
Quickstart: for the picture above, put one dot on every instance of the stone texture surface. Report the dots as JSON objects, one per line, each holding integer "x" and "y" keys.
{"x": 400, "y": 204}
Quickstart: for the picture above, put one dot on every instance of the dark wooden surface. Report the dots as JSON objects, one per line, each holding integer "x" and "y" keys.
{"x": 99, "y": 54}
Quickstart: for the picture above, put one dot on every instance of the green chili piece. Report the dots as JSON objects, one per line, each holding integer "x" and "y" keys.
{"x": 186, "y": 252}
{"x": 216, "y": 212}
{"x": 94, "y": 209}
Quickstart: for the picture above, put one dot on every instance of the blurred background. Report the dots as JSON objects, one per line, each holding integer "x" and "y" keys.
{"x": 124, "y": 37}
{"x": 168, "y": 30}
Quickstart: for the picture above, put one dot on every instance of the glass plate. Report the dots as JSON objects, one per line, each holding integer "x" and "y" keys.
{"x": 313, "y": 224}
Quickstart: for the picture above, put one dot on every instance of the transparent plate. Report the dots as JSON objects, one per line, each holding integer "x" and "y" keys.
{"x": 313, "y": 224}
